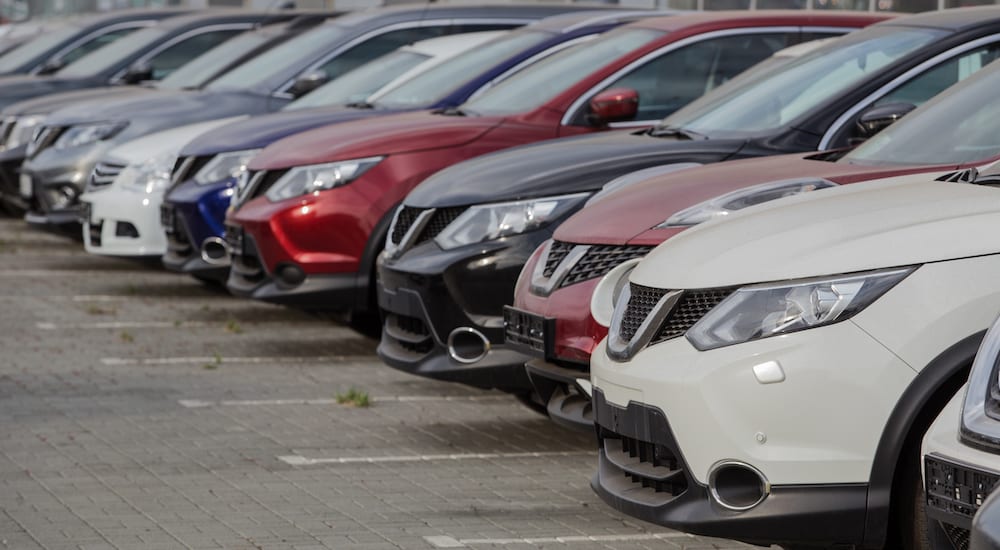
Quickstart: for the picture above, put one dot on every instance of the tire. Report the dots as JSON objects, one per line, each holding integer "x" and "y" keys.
{"x": 911, "y": 516}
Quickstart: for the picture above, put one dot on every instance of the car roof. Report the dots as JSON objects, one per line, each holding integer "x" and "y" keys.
{"x": 777, "y": 17}
{"x": 378, "y": 17}
{"x": 222, "y": 15}
{"x": 443, "y": 45}
{"x": 568, "y": 22}
{"x": 956, "y": 19}
{"x": 120, "y": 16}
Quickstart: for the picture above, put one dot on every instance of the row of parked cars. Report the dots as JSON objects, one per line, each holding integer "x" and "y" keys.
{"x": 754, "y": 250}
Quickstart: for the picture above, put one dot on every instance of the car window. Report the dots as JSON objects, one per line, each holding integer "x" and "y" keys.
{"x": 95, "y": 43}
{"x": 112, "y": 55}
{"x": 680, "y": 76}
{"x": 171, "y": 58}
{"x": 944, "y": 75}
{"x": 357, "y": 85}
{"x": 206, "y": 66}
{"x": 35, "y": 47}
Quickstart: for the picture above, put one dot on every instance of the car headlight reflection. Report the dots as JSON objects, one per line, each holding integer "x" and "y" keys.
{"x": 723, "y": 205}
{"x": 23, "y": 130}
{"x": 761, "y": 311}
{"x": 225, "y": 166}
{"x": 303, "y": 180}
{"x": 85, "y": 134}
{"x": 150, "y": 176}
{"x": 488, "y": 222}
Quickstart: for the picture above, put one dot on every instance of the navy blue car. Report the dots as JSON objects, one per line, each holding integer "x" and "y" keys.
{"x": 206, "y": 172}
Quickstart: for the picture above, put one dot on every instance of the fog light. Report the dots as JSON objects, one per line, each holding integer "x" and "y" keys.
{"x": 467, "y": 345}
{"x": 737, "y": 486}
{"x": 127, "y": 230}
{"x": 60, "y": 197}
{"x": 290, "y": 275}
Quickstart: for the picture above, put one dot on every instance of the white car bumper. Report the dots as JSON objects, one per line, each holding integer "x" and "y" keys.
{"x": 123, "y": 223}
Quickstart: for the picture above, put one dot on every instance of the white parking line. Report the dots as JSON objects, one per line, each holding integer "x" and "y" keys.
{"x": 78, "y": 273}
{"x": 444, "y": 541}
{"x": 121, "y": 324}
{"x": 200, "y": 404}
{"x": 298, "y": 460}
{"x": 116, "y": 361}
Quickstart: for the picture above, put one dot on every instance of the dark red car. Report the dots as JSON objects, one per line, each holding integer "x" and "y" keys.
{"x": 553, "y": 295}
{"x": 300, "y": 235}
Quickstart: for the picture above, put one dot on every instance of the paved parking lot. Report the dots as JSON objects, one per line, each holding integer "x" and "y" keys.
{"x": 140, "y": 409}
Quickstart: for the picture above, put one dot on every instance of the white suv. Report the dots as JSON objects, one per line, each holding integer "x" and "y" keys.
{"x": 769, "y": 377}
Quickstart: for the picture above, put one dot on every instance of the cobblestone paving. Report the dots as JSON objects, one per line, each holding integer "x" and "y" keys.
{"x": 141, "y": 409}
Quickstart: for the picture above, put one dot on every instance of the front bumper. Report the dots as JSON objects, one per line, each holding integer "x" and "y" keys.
{"x": 816, "y": 453}
{"x": 196, "y": 213}
{"x": 57, "y": 179}
{"x": 429, "y": 295}
{"x": 957, "y": 478}
{"x": 662, "y": 490}
{"x": 118, "y": 222}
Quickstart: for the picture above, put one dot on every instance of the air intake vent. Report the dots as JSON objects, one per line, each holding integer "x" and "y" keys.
{"x": 104, "y": 173}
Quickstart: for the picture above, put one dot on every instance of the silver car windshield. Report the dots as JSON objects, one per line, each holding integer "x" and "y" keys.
{"x": 356, "y": 85}
{"x": 197, "y": 72}
{"x": 113, "y": 54}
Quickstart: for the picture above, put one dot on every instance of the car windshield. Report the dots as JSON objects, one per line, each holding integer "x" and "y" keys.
{"x": 201, "y": 69}
{"x": 430, "y": 86}
{"x": 955, "y": 127}
{"x": 262, "y": 68}
{"x": 542, "y": 81}
{"x": 34, "y": 47}
{"x": 356, "y": 85}
{"x": 113, "y": 54}
{"x": 778, "y": 98}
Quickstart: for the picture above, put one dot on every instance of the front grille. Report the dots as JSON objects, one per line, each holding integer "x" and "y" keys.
{"x": 526, "y": 331}
{"x": 557, "y": 253}
{"x": 646, "y": 464}
{"x": 692, "y": 306}
{"x": 598, "y": 261}
{"x": 957, "y": 490}
{"x": 640, "y": 305}
{"x": 95, "y": 230}
{"x": 186, "y": 167}
{"x": 104, "y": 173}
{"x": 404, "y": 220}
{"x": 408, "y": 333}
{"x": 958, "y": 537}
{"x": 269, "y": 179}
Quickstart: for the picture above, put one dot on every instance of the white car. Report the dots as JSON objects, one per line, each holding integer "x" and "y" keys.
{"x": 769, "y": 377}
{"x": 121, "y": 201}
{"x": 962, "y": 451}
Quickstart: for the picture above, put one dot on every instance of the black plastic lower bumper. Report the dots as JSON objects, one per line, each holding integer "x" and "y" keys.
{"x": 794, "y": 515}
{"x": 567, "y": 401}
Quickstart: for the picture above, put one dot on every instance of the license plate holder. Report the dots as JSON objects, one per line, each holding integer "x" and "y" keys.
{"x": 168, "y": 218}
{"x": 25, "y": 186}
{"x": 528, "y": 332}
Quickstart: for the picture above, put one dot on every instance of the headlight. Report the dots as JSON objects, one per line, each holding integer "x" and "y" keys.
{"x": 225, "y": 166}
{"x": 303, "y": 180}
{"x": 83, "y": 134}
{"x": 24, "y": 128}
{"x": 493, "y": 221}
{"x": 761, "y": 311}
{"x": 723, "y": 205}
{"x": 981, "y": 408}
{"x": 149, "y": 176}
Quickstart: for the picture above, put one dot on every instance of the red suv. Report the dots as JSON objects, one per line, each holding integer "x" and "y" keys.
{"x": 312, "y": 215}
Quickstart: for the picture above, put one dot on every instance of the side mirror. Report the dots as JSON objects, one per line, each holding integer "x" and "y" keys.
{"x": 880, "y": 117}
{"x": 614, "y": 105}
{"x": 308, "y": 82}
{"x": 138, "y": 72}
{"x": 51, "y": 66}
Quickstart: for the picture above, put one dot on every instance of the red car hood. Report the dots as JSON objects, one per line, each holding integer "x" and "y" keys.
{"x": 652, "y": 201}
{"x": 402, "y": 133}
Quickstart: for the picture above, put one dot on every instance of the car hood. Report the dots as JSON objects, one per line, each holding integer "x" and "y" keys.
{"x": 650, "y": 202}
{"x": 49, "y": 103}
{"x": 388, "y": 135}
{"x": 908, "y": 220}
{"x": 261, "y": 131}
{"x": 568, "y": 165}
{"x": 167, "y": 142}
{"x": 179, "y": 106}
{"x": 22, "y": 87}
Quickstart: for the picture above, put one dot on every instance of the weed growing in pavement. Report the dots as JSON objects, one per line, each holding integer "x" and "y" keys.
{"x": 177, "y": 323}
{"x": 232, "y": 326}
{"x": 214, "y": 364}
{"x": 5, "y": 246}
{"x": 94, "y": 309}
{"x": 354, "y": 398}
{"x": 126, "y": 336}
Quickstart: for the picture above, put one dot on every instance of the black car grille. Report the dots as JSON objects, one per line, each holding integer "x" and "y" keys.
{"x": 269, "y": 179}
{"x": 557, "y": 253}
{"x": 599, "y": 260}
{"x": 441, "y": 218}
{"x": 645, "y": 464}
{"x": 408, "y": 333}
{"x": 640, "y": 305}
{"x": 186, "y": 167}
{"x": 104, "y": 174}
{"x": 692, "y": 306}
{"x": 404, "y": 220}
{"x": 954, "y": 494}
{"x": 958, "y": 536}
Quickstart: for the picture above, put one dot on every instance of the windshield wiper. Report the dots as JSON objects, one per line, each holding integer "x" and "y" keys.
{"x": 453, "y": 111}
{"x": 675, "y": 131}
{"x": 361, "y": 105}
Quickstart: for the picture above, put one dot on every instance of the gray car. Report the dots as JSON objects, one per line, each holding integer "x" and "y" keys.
{"x": 65, "y": 150}
{"x": 19, "y": 121}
